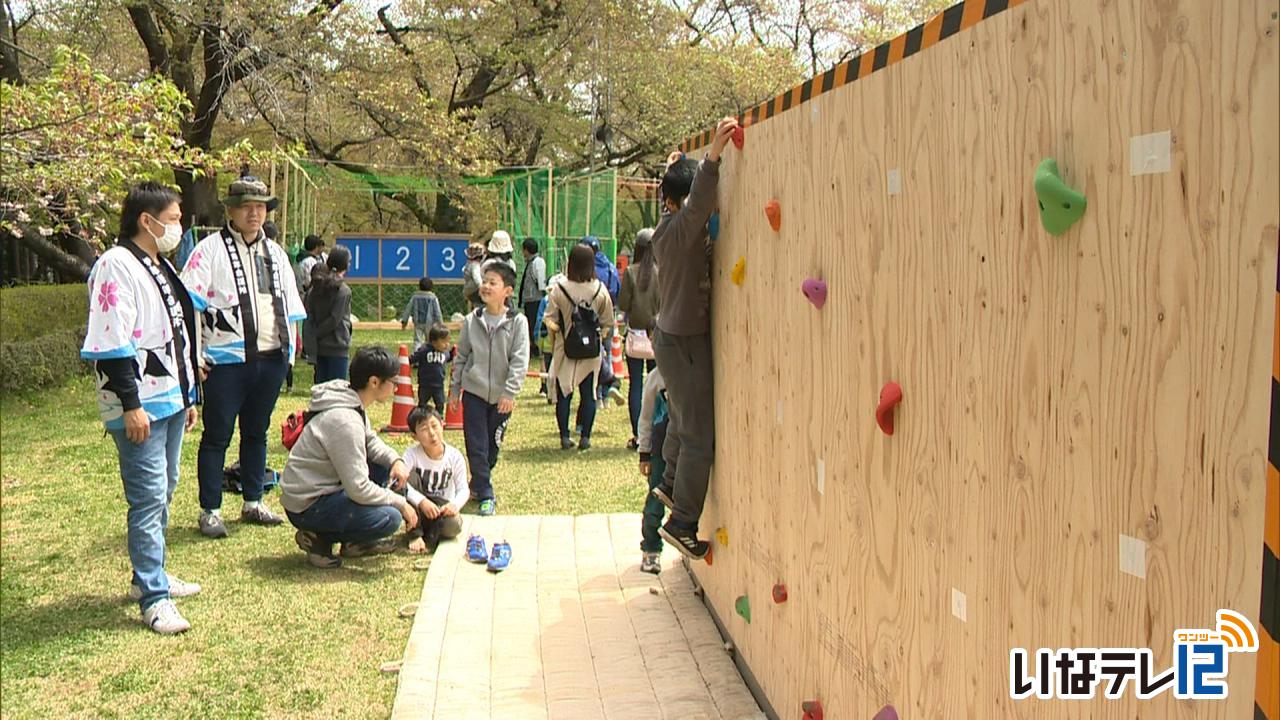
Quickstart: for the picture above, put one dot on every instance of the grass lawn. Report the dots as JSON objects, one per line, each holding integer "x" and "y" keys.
{"x": 271, "y": 637}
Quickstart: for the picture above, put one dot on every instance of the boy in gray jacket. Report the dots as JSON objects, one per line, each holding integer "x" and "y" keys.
{"x": 488, "y": 372}
{"x": 682, "y": 343}
{"x": 325, "y": 489}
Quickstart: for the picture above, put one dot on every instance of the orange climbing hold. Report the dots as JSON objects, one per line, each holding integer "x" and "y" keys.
{"x": 890, "y": 396}
{"x": 812, "y": 709}
{"x": 739, "y": 137}
{"x": 710, "y": 552}
{"x": 773, "y": 211}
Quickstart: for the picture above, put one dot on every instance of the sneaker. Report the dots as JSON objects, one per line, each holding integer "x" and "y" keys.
{"x": 385, "y": 546}
{"x": 651, "y": 562}
{"x": 476, "y": 552}
{"x": 500, "y": 558}
{"x": 211, "y": 526}
{"x": 260, "y": 515}
{"x": 584, "y": 444}
{"x": 663, "y": 493}
{"x": 488, "y": 507}
{"x": 164, "y": 618}
{"x": 566, "y": 443}
{"x": 177, "y": 589}
{"x": 431, "y": 536}
{"x": 633, "y": 444}
{"x": 686, "y": 541}
{"x": 618, "y": 398}
{"x": 318, "y": 553}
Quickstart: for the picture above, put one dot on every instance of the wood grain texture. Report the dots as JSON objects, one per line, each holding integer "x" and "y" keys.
{"x": 1059, "y": 392}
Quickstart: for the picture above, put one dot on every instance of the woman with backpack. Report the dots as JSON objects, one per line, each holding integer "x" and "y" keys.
{"x": 579, "y": 315}
{"x": 327, "y": 329}
{"x": 639, "y": 300}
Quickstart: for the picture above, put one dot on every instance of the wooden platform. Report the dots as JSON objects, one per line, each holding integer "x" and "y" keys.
{"x": 571, "y": 630}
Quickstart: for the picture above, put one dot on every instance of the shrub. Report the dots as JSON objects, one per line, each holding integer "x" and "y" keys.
{"x": 41, "y": 330}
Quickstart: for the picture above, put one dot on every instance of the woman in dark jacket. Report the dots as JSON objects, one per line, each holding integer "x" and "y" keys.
{"x": 327, "y": 332}
{"x": 639, "y": 300}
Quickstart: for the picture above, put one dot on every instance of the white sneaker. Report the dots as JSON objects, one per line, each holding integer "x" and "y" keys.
{"x": 178, "y": 588}
{"x": 164, "y": 618}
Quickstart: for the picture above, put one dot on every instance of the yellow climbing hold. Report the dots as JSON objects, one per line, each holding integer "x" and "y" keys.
{"x": 739, "y": 271}
{"x": 722, "y": 536}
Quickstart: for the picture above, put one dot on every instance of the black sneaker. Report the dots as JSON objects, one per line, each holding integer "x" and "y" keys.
{"x": 384, "y": 546}
{"x": 319, "y": 553}
{"x": 686, "y": 541}
{"x": 663, "y": 493}
{"x": 566, "y": 443}
{"x": 584, "y": 444}
{"x": 431, "y": 536}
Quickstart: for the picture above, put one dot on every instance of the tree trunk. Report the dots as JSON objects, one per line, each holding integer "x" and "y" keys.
{"x": 200, "y": 203}
{"x": 450, "y": 216}
{"x": 67, "y": 265}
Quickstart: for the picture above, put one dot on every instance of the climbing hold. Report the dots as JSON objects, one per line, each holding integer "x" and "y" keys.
{"x": 722, "y": 536}
{"x": 391, "y": 668}
{"x": 713, "y": 226}
{"x": 743, "y": 606}
{"x": 654, "y": 591}
{"x": 816, "y": 291}
{"x": 812, "y": 709}
{"x": 886, "y": 713}
{"x": 739, "y": 137}
{"x": 408, "y": 610}
{"x": 1060, "y": 206}
{"x": 773, "y": 211}
{"x": 739, "y": 271}
{"x": 779, "y": 593}
{"x": 708, "y": 558}
{"x": 728, "y": 647}
{"x": 890, "y": 396}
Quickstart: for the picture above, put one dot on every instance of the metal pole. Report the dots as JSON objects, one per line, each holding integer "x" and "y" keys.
{"x": 614, "y": 227}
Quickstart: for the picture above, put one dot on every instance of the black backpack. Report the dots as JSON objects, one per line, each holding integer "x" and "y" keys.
{"x": 582, "y": 332}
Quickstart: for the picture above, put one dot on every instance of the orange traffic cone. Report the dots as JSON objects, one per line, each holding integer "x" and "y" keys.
{"x": 615, "y": 352}
{"x": 403, "y": 402}
{"x": 453, "y": 416}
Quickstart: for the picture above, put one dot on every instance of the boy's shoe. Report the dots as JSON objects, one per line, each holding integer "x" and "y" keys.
{"x": 566, "y": 443}
{"x": 584, "y": 444}
{"x": 318, "y": 553}
{"x": 618, "y": 398}
{"x": 177, "y": 589}
{"x": 488, "y": 507}
{"x": 500, "y": 558}
{"x": 663, "y": 493}
{"x": 686, "y": 541}
{"x": 211, "y": 526}
{"x": 384, "y": 546}
{"x": 164, "y": 618}
{"x": 260, "y": 515}
{"x": 632, "y": 444}
{"x": 476, "y": 552}
{"x": 651, "y": 562}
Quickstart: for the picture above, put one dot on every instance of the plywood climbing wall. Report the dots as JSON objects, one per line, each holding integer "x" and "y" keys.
{"x": 1080, "y": 458}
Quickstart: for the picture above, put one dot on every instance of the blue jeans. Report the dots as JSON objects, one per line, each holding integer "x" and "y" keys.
{"x": 483, "y": 428}
{"x": 150, "y": 475}
{"x": 337, "y": 518}
{"x": 586, "y": 407}
{"x": 331, "y": 367}
{"x": 247, "y": 391}
{"x": 636, "y": 368}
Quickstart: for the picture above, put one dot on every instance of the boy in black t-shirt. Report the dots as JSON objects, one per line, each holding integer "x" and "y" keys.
{"x": 431, "y": 360}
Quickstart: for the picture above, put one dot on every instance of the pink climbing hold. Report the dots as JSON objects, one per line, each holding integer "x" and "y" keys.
{"x": 816, "y": 291}
{"x": 886, "y": 713}
{"x": 890, "y": 396}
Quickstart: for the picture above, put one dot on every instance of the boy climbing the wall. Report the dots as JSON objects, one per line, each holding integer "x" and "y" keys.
{"x": 488, "y": 372}
{"x": 682, "y": 341}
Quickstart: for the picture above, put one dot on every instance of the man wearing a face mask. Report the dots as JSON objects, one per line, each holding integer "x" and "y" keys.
{"x": 242, "y": 284}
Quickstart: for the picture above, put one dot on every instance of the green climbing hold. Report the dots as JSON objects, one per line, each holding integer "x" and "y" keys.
{"x": 1060, "y": 206}
{"x": 743, "y": 606}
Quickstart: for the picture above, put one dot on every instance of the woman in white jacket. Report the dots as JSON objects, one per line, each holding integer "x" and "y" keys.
{"x": 580, "y": 291}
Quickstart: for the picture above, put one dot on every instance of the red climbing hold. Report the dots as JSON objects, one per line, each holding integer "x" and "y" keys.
{"x": 710, "y": 551}
{"x": 816, "y": 291}
{"x": 886, "y": 713}
{"x": 773, "y": 211}
{"x": 812, "y": 709}
{"x": 779, "y": 593}
{"x": 739, "y": 137}
{"x": 890, "y": 396}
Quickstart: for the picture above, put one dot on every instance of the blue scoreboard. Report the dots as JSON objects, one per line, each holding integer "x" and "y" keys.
{"x": 405, "y": 258}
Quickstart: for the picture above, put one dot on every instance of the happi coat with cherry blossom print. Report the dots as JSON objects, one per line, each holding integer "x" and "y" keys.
{"x": 225, "y": 297}
{"x": 140, "y": 310}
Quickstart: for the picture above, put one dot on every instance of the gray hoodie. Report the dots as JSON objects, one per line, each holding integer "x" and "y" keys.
{"x": 334, "y": 451}
{"x": 491, "y": 365}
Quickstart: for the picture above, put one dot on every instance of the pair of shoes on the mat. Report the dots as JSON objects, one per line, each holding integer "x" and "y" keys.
{"x": 685, "y": 540}
{"x": 497, "y": 560}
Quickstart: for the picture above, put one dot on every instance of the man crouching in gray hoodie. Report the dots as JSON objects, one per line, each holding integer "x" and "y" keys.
{"x": 325, "y": 488}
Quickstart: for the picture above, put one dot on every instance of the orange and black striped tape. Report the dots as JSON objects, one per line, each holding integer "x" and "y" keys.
{"x": 960, "y": 16}
{"x": 1266, "y": 702}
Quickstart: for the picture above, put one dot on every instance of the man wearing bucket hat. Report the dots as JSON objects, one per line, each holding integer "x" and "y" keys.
{"x": 242, "y": 286}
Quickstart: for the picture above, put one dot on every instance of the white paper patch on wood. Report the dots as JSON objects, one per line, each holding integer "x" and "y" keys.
{"x": 1150, "y": 154}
